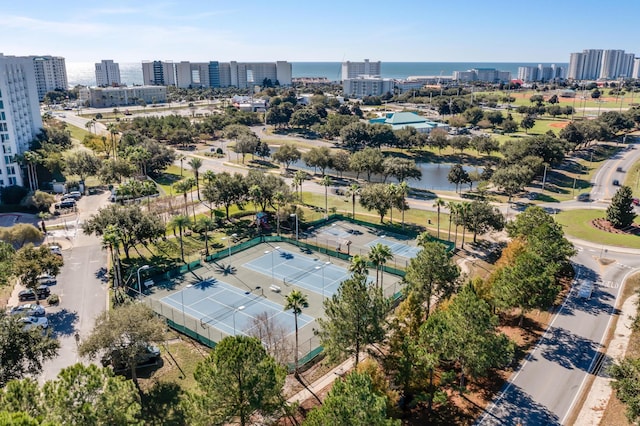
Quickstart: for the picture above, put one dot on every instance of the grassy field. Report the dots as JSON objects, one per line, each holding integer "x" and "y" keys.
{"x": 171, "y": 175}
{"x": 77, "y": 133}
{"x": 577, "y": 223}
{"x": 606, "y": 101}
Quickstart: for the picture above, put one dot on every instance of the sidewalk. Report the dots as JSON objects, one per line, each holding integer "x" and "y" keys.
{"x": 598, "y": 397}
{"x": 326, "y": 380}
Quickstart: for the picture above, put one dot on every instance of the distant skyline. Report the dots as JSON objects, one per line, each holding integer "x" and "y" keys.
{"x": 300, "y": 31}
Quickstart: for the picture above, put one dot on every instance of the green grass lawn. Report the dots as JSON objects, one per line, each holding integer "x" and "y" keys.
{"x": 77, "y": 133}
{"x": 171, "y": 175}
{"x": 577, "y": 223}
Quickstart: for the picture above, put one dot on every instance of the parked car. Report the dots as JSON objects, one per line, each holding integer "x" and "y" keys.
{"x": 29, "y": 309}
{"x": 635, "y": 201}
{"x": 56, "y": 250}
{"x": 66, "y": 204}
{"x": 46, "y": 279}
{"x": 150, "y": 356}
{"x": 31, "y": 322}
{"x": 29, "y": 294}
{"x": 73, "y": 195}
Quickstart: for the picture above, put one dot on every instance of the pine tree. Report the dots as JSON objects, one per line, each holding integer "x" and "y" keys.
{"x": 620, "y": 212}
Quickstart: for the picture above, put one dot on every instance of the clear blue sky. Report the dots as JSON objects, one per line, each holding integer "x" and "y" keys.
{"x": 317, "y": 30}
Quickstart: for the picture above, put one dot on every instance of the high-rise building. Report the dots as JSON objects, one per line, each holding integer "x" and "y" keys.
{"x": 593, "y": 64}
{"x": 367, "y": 85}
{"x": 158, "y": 73}
{"x": 635, "y": 73}
{"x": 216, "y": 74}
{"x": 51, "y": 74}
{"x": 490, "y": 75}
{"x": 355, "y": 69}
{"x": 107, "y": 73}
{"x": 20, "y": 120}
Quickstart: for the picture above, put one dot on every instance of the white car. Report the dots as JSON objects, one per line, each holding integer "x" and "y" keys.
{"x": 46, "y": 279}
{"x": 29, "y": 309}
{"x": 56, "y": 250}
{"x": 30, "y": 322}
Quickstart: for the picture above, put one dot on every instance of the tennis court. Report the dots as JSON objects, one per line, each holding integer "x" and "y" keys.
{"x": 397, "y": 248}
{"x": 227, "y": 308}
{"x": 294, "y": 268}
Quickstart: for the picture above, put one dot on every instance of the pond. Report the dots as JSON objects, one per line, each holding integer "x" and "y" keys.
{"x": 434, "y": 175}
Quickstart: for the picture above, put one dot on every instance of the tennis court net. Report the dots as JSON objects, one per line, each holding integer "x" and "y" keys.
{"x": 298, "y": 275}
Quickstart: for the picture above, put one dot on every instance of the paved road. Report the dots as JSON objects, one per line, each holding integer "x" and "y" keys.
{"x": 545, "y": 388}
{"x": 81, "y": 286}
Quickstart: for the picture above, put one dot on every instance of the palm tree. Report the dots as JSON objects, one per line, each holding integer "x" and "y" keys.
{"x": 403, "y": 191}
{"x": 183, "y": 187}
{"x": 392, "y": 193}
{"x": 296, "y": 301}
{"x": 326, "y": 182}
{"x": 181, "y": 222}
{"x": 358, "y": 265}
{"x": 206, "y": 224}
{"x": 438, "y": 204}
{"x": 208, "y": 176}
{"x": 195, "y": 164}
{"x": 353, "y": 191}
{"x": 111, "y": 240}
{"x": 456, "y": 216}
{"x": 379, "y": 255}
{"x": 113, "y": 131}
{"x": 255, "y": 193}
{"x": 181, "y": 158}
{"x": 279, "y": 198}
{"x": 463, "y": 211}
{"x": 451, "y": 205}
{"x": 298, "y": 178}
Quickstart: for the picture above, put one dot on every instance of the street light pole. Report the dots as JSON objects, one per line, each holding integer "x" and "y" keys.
{"x": 142, "y": 268}
{"x": 239, "y": 308}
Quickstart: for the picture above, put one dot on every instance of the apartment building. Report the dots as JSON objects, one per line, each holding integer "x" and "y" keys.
{"x": 594, "y": 64}
{"x": 158, "y": 73}
{"x": 540, "y": 73}
{"x": 355, "y": 69}
{"x": 107, "y": 73}
{"x": 20, "y": 120}
{"x": 490, "y": 75}
{"x": 108, "y": 97}
{"x": 50, "y": 74}
{"x": 366, "y": 85}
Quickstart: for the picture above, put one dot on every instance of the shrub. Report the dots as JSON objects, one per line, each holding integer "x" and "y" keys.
{"x": 13, "y": 194}
{"x": 54, "y": 299}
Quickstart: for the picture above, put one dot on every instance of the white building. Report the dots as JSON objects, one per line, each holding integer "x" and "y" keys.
{"x": 158, "y": 73}
{"x": 50, "y": 74}
{"x": 593, "y": 64}
{"x": 107, "y": 73}
{"x": 356, "y": 69}
{"x": 107, "y": 97}
{"x": 20, "y": 120}
{"x": 366, "y": 85}
{"x": 490, "y": 75}
{"x": 635, "y": 73}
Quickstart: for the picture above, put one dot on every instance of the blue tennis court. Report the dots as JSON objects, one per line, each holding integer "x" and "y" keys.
{"x": 229, "y": 309}
{"x": 334, "y": 232}
{"x": 398, "y": 249}
{"x": 313, "y": 274}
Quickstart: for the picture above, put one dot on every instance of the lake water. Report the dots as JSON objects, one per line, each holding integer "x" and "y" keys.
{"x": 434, "y": 175}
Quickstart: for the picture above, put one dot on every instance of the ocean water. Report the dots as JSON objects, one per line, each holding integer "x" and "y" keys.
{"x": 131, "y": 72}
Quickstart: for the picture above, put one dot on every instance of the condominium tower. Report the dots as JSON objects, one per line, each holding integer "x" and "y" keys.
{"x": 50, "y": 74}
{"x": 107, "y": 73}
{"x": 20, "y": 120}
{"x": 593, "y": 64}
{"x": 216, "y": 74}
{"x": 356, "y": 69}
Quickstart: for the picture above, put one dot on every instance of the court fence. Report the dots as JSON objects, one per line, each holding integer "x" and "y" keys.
{"x": 208, "y": 335}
